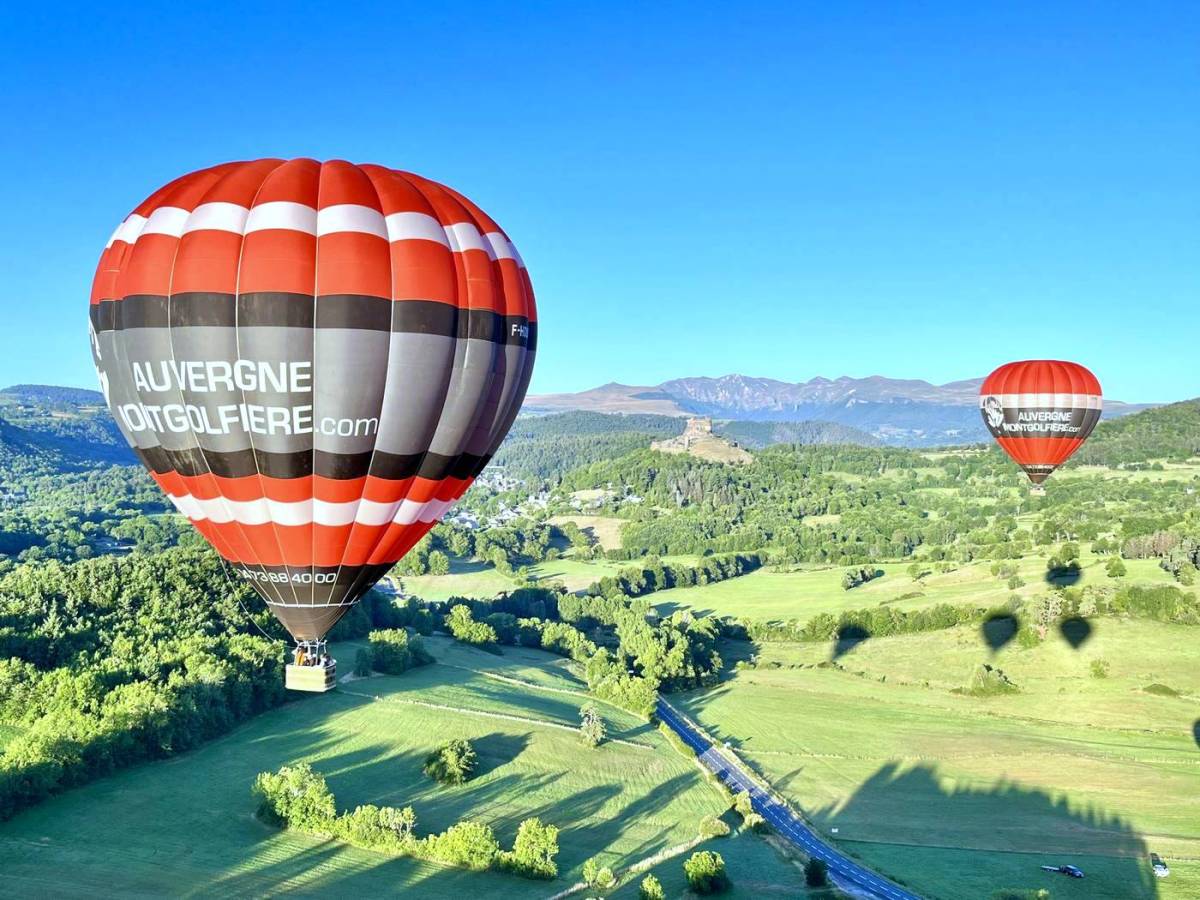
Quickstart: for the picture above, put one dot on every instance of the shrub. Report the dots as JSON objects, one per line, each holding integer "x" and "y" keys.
{"x": 598, "y": 876}
{"x": 705, "y": 871}
{"x": 1115, "y": 568}
{"x": 471, "y": 845}
{"x": 988, "y": 681}
{"x": 745, "y": 808}
{"x": 295, "y": 797}
{"x": 816, "y": 872}
{"x": 451, "y": 763}
{"x": 711, "y": 826}
{"x": 378, "y": 827}
{"x": 1099, "y": 668}
{"x": 1161, "y": 690}
{"x": 651, "y": 889}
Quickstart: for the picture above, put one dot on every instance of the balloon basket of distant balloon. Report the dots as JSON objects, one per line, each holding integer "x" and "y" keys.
{"x": 312, "y": 669}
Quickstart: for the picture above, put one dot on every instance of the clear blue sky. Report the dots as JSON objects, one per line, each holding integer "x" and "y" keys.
{"x": 916, "y": 190}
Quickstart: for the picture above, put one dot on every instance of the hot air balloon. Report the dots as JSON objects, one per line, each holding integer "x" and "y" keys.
{"x": 1040, "y": 411}
{"x": 314, "y": 360}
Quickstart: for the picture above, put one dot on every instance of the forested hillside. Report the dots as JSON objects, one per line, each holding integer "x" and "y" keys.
{"x": 65, "y": 428}
{"x": 764, "y": 434}
{"x": 542, "y": 446}
{"x": 1164, "y": 433}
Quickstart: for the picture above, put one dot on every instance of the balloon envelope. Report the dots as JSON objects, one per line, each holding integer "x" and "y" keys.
{"x": 314, "y": 361}
{"x": 1040, "y": 411}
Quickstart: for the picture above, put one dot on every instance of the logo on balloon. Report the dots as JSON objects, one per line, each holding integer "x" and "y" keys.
{"x": 994, "y": 410}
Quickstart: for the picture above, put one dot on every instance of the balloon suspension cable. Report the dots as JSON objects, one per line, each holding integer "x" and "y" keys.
{"x": 234, "y": 592}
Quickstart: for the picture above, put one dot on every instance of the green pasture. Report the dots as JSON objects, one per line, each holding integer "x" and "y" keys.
{"x": 769, "y": 594}
{"x": 959, "y": 796}
{"x": 185, "y": 827}
{"x": 480, "y": 580}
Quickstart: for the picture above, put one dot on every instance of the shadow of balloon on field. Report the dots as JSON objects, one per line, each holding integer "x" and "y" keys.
{"x": 940, "y": 838}
{"x": 1065, "y": 576}
{"x": 1076, "y": 631}
{"x": 847, "y": 638}
{"x": 999, "y": 630}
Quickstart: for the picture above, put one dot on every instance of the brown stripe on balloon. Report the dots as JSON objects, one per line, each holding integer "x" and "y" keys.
{"x": 287, "y": 310}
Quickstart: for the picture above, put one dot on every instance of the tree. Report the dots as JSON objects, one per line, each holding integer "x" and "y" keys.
{"x": 452, "y": 763}
{"x": 816, "y": 872}
{"x": 705, "y": 872}
{"x": 364, "y": 662}
{"x": 395, "y": 651}
{"x": 534, "y": 850}
{"x": 591, "y": 729}
{"x": 1115, "y": 567}
{"x": 439, "y": 563}
{"x": 462, "y": 625}
{"x": 295, "y": 797}
{"x": 651, "y": 889}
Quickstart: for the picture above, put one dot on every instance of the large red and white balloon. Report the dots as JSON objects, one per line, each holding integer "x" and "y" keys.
{"x": 314, "y": 361}
{"x": 1040, "y": 411}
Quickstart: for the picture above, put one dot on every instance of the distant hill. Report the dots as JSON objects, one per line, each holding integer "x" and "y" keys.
{"x": 1166, "y": 432}
{"x": 763, "y": 434}
{"x": 70, "y": 427}
{"x": 52, "y": 396}
{"x": 908, "y": 412}
{"x": 544, "y": 445}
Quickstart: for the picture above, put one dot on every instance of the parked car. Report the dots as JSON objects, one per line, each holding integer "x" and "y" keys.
{"x": 1160, "y": 867}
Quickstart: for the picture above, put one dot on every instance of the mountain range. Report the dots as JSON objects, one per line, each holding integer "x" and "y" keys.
{"x": 909, "y": 412}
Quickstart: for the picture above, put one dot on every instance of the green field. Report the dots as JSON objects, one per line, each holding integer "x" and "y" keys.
{"x": 186, "y": 826}
{"x": 959, "y": 796}
{"x": 770, "y": 595}
{"x": 482, "y": 581}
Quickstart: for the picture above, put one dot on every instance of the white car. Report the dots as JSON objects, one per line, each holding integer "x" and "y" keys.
{"x": 1160, "y": 867}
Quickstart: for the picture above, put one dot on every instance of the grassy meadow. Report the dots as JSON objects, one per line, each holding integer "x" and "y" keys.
{"x": 186, "y": 827}
{"x": 958, "y": 796}
{"x": 770, "y": 594}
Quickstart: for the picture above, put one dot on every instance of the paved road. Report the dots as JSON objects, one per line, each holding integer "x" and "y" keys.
{"x": 842, "y": 869}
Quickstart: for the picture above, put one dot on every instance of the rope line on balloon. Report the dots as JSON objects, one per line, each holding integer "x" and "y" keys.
{"x": 233, "y": 590}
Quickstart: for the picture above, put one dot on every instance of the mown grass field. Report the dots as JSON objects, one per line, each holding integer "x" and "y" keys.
{"x": 185, "y": 827}
{"x": 769, "y": 594}
{"x": 483, "y": 581}
{"x": 959, "y": 796}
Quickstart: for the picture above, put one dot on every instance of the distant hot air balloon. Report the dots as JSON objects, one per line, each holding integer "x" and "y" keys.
{"x": 1040, "y": 411}
{"x": 314, "y": 361}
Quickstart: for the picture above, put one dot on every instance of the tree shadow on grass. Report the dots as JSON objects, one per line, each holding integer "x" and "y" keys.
{"x": 498, "y": 749}
{"x": 943, "y": 840}
{"x": 847, "y": 638}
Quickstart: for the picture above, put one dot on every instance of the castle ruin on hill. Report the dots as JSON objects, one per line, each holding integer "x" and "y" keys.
{"x": 698, "y": 440}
